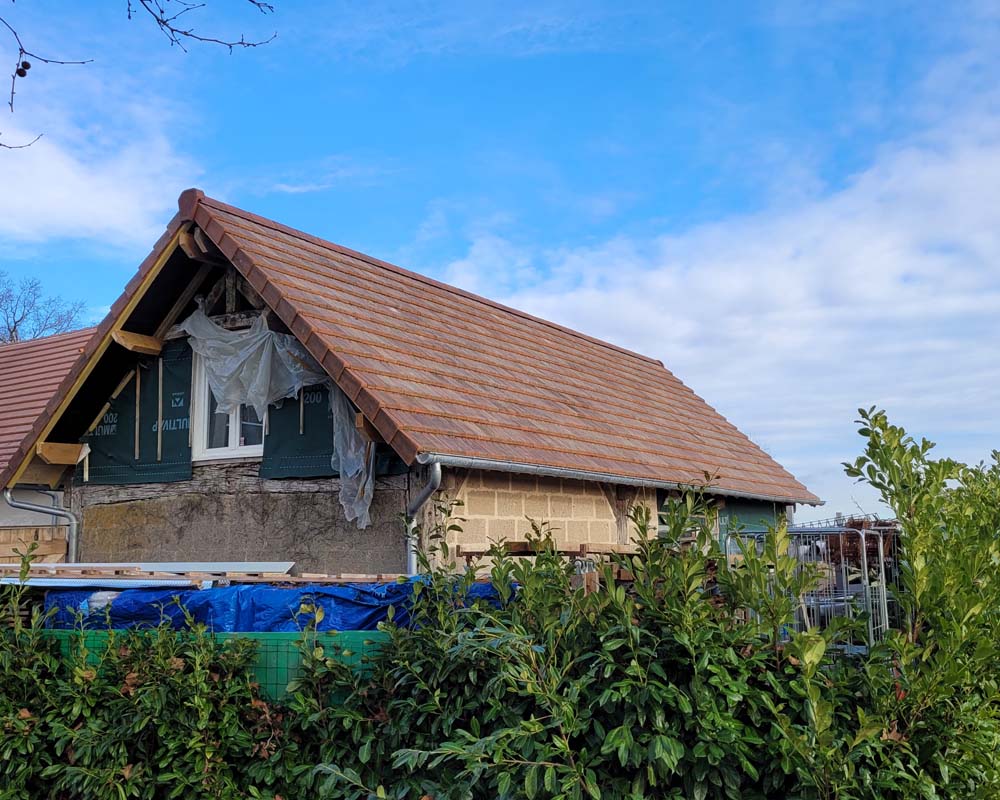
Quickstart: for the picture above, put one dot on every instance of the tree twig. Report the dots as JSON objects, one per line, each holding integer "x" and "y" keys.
{"x": 167, "y": 21}
{"x": 22, "y": 65}
{"x": 165, "y": 13}
{"x": 4, "y": 146}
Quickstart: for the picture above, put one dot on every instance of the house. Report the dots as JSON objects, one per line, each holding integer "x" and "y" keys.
{"x": 260, "y": 393}
{"x": 30, "y": 371}
{"x": 29, "y": 374}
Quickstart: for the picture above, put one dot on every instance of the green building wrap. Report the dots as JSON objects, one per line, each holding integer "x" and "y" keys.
{"x": 112, "y": 458}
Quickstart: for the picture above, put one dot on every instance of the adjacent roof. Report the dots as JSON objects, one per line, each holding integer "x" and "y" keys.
{"x": 443, "y": 372}
{"x": 30, "y": 373}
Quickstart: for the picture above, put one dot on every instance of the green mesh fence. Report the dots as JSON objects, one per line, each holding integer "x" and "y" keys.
{"x": 278, "y": 654}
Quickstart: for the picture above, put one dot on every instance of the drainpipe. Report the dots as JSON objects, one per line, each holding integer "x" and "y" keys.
{"x": 72, "y": 523}
{"x": 413, "y": 508}
{"x": 56, "y": 498}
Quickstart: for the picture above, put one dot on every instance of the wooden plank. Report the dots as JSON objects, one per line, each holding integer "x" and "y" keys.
{"x": 602, "y": 548}
{"x": 206, "y": 246}
{"x": 138, "y": 395}
{"x": 231, "y": 291}
{"x": 368, "y": 430}
{"x": 50, "y": 541}
{"x": 239, "y": 320}
{"x": 215, "y": 294}
{"x": 37, "y": 472}
{"x": 67, "y": 455}
{"x": 151, "y": 275}
{"x": 182, "y": 301}
{"x": 245, "y": 289}
{"x": 41, "y": 548}
{"x": 159, "y": 411}
{"x": 187, "y": 243}
{"x": 114, "y": 396}
{"x": 121, "y": 386}
{"x": 138, "y": 343}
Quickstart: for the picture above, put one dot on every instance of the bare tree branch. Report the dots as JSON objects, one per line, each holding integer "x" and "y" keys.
{"x": 166, "y": 14}
{"x": 19, "y": 146}
{"x": 26, "y": 313}
{"x": 22, "y": 65}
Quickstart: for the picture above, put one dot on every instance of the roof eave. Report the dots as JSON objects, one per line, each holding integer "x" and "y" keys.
{"x": 471, "y": 462}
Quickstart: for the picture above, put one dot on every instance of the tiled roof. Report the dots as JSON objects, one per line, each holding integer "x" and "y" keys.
{"x": 442, "y": 371}
{"x": 30, "y": 373}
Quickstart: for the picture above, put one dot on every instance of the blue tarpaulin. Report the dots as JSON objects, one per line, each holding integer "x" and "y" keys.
{"x": 242, "y": 608}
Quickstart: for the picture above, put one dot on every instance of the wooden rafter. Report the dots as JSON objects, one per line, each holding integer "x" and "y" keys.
{"x": 368, "y": 430}
{"x": 214, "y": 295}
{"x": 182, "y": 302}
{"x": 36, "y": 472}
{"x": 197, "y": 246}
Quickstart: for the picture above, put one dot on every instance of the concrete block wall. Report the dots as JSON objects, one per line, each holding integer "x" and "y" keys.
{"x": 498, "y": 505}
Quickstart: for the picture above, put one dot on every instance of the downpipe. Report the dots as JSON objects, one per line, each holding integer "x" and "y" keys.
{"x": 413, "y": 508}
{"x": 72, "y": 522}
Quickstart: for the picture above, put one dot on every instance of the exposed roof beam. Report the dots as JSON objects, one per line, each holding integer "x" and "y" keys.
{"x": 182, "y": 302}
{"x": 231, "y": 322}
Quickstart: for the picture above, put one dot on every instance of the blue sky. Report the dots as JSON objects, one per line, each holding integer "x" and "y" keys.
{"x": 793, "y": 205}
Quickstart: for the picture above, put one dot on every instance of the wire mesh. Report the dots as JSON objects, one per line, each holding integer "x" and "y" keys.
{"x": 278, "y": 656}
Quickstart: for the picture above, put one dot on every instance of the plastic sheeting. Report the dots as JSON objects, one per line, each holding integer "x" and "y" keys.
{"x": 356, "y": 457}
{"x": 242, "y": 609}
{"x": 256, "y": 367}
{"x": 260, "y": 367}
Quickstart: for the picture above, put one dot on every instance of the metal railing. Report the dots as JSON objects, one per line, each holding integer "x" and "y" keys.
{"x": 855, "y": 570}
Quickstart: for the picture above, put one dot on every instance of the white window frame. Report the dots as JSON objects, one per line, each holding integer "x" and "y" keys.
{"x": 200, "y": 451}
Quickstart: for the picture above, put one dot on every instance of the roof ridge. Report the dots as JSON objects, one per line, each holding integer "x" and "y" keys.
{"x": 326, "y": 243}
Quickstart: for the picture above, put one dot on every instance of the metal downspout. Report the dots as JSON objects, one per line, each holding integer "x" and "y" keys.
{"x": 56, "y": 498}
{"x": 72, "y": 523}
{"x": 413, "y": 508}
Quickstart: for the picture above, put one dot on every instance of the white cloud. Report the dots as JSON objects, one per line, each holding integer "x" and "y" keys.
{"x": 109, "y": 165}
{"x": 885, "y": 292}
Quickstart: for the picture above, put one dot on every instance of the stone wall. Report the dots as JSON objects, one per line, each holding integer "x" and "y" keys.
{"x": 227, "y": 513}
{"x": 498, "y": 505}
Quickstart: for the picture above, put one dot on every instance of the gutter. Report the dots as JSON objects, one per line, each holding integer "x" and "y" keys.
{"x": 471, "y": 462}
{"x": 413, "y": 508}
{"x": 72, "y": 522}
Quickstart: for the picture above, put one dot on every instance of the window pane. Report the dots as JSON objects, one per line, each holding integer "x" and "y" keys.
{"x": 218, "y": 425}
{"x": 251, "y": 427}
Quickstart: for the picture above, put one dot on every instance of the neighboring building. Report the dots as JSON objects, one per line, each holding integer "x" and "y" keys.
{"x": 523, "y": 417}
{"x": 30, "y": 371}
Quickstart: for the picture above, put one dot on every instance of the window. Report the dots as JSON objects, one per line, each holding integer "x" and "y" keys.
{"x": 214, "y": 435}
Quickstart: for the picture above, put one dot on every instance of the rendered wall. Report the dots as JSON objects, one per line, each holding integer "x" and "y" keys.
{"x": 226, "y": 512}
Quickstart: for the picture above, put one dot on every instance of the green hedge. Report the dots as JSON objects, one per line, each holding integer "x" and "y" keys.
{"x": 655, "y": 689}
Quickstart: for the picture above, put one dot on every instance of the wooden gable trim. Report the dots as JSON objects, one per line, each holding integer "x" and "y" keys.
{"x": 60, "y": 453}
{"x": 138, "y": 343}
{"x": 70, "y": 394}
